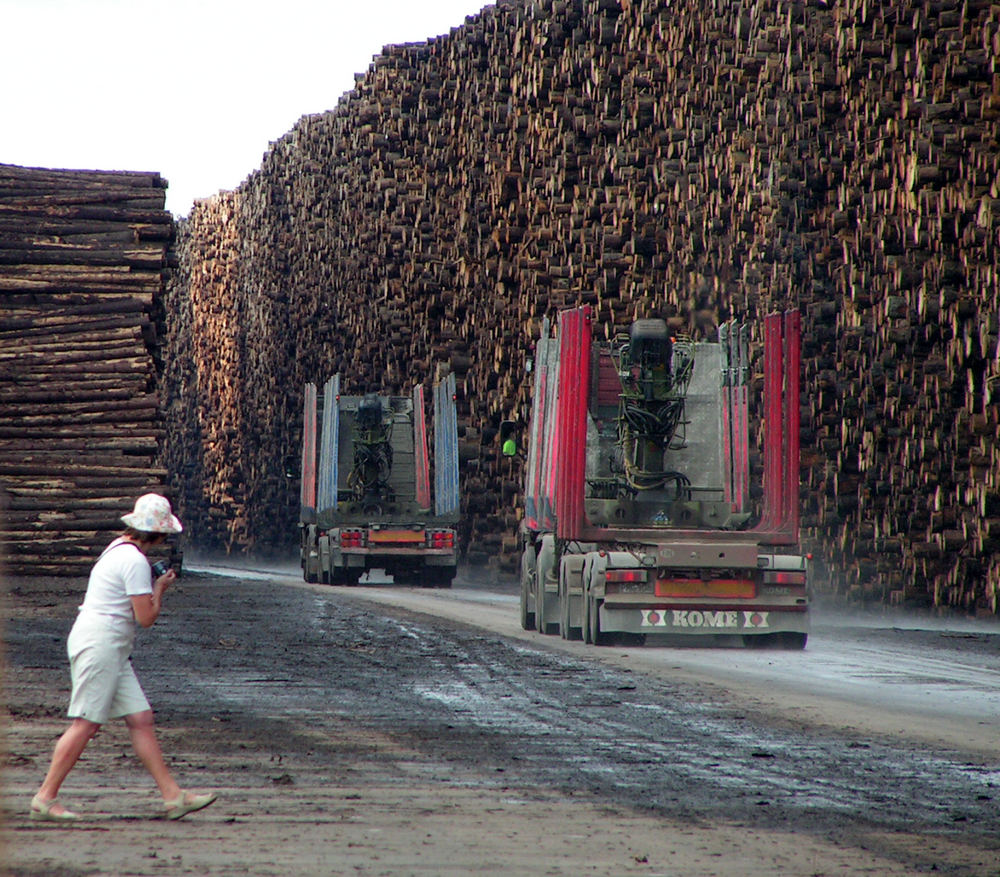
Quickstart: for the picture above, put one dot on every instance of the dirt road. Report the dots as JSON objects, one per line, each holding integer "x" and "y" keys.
{"x": 349, "y": 736}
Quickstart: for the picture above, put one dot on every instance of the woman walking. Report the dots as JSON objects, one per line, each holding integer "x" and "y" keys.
{"x": 120, "y": 595}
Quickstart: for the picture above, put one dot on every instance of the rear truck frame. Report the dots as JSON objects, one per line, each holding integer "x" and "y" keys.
{"x": 366, "y": 495}
{"x": 638, "y": 519}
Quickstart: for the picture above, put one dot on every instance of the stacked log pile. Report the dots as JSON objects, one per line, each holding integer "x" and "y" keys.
{"x": 694, "y": 160}
{"x": 82, "y": 259}
{"x": 905, "y": 404}
{"x": 203, "y": 399}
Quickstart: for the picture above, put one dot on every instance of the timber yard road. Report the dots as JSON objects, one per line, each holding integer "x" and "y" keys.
{"x": 382, "y": 730}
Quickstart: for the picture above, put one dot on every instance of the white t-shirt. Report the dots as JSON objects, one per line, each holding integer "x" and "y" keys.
{"x": 121, "y": 572}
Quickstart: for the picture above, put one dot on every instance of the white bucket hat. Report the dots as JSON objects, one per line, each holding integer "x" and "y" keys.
{"x": 152, "y": 515}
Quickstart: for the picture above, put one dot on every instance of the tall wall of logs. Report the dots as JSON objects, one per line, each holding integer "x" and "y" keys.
{"x": 83, "y": 255}
{"x": 694, "y": 159}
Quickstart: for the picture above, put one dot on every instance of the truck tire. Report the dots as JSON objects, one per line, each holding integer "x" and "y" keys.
{"x": 563, "y": 612}
{"x": 545, "y": 561}
{"x": 309, "y": 545}
{"x": 566, "y": 629}
{"x": 342, "y": 576}
{"x": 541, "y": 622}
{"x": 442, "y": 578}
{"x": 593, "y": 609}
{"x": 527, "y": 586}
{"x": 789, "y": 640}
{"x": 587, "y": 629}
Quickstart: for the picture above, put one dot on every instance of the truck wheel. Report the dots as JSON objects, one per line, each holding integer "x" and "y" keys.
{"x": 588, "y": 572}
{"x": 310, "y": 546}
{"x": 792, "y": 640}
{"x": 443, "y": 578}
{"x": 546, "y": 558}
{"x": 566, "y": 629}
{"x": 789, "y": 640}
{"x": 342, "y": 576}
{"x": 563, "y": 611}
{"x": 540, "y": 623}
{"x": 527, "y": 579}
{"x": 594, "y": 622}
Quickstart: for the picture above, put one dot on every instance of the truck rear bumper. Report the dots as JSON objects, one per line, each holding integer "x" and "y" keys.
{"x": 704, "y": 618}
{"x": 381, "y": 556}
{"x": 386, "y": 551}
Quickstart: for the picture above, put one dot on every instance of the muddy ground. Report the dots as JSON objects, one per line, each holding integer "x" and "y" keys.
{"x": 346, "y": 737}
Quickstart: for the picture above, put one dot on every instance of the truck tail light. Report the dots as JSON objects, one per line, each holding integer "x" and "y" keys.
{"x": 352, "y": 538}
{"x": 626, "y": 575}
{"x": 441, "y": 538}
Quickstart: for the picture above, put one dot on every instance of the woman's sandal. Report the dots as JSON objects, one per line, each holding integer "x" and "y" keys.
{"x": 187, "y": 802}
{"x": 43, "y": 810}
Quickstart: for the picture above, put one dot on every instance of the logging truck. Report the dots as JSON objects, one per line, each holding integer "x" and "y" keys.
{"x": 638, "y": 516}
{"x": 366, "y": 486}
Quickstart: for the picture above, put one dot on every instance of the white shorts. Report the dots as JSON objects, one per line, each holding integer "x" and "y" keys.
{"x": 104, "y": 684}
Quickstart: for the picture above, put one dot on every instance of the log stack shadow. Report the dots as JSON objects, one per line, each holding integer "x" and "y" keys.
{"x": 694, "y": 160}
{"x": 83, "y": 256}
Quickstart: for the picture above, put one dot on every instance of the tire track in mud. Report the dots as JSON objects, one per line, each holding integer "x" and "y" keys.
{"x": 660, "y": 745}
{"x": 288, "y": 658}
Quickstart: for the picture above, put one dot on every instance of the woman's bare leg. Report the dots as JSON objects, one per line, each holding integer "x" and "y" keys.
{"x": 143, "y": 733}
{"x": 68, "y": 749}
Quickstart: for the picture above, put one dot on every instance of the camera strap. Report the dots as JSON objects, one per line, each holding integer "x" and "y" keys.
{"x": 119, "y": 541}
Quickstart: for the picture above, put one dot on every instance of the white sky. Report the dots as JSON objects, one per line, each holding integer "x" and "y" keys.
{"x": 192, "y": 89}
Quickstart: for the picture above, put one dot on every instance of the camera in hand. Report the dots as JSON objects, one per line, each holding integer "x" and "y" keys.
{"x": 159, "y": 568}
